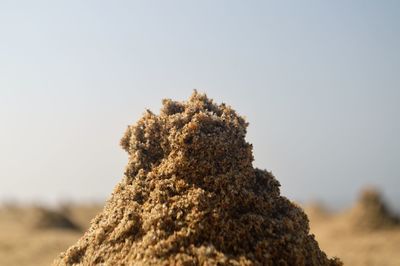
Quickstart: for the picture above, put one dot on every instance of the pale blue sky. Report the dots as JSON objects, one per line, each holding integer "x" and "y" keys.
{"x": 318, "y": 81}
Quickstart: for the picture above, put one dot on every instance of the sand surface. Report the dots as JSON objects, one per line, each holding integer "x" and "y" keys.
{"x": 20, "y": 244}
{"x": 337, "y": 237}
{"x": 24, "y": 241}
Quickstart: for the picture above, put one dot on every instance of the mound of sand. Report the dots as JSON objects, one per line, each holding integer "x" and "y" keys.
{"x": 316, "y": 210}
{"x": 81, "y": 213}
{"x": 44, "y": 218}
{"x": 371, "y": 212}
{"x": 190, "y": 196}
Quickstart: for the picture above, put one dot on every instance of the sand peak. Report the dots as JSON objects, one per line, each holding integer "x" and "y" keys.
{"x": 190, "y": 196}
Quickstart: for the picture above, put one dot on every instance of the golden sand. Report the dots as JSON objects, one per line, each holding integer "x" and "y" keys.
{"x": 191, "y": 196}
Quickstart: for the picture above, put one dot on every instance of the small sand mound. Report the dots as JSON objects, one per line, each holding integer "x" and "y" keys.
{"x": 317, "y": 211}
{"x": 43, "y": 218}
{"x": 371, "y": 212}
{"x": 190, "y": 196}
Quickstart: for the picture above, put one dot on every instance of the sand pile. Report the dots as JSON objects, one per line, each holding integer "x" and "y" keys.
{"x": 317, "y": 211}
{"x": 371, "y": 212}
{"x": 190, "y": 196}
{"x": 44, "y": 218}
{"x": 37, "y": 217}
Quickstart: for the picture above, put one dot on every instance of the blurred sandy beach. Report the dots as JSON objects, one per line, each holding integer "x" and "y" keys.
{"x": 31, "y": 235}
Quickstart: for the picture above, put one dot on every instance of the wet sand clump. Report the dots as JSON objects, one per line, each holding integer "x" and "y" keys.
{"x": 190, "y": 196}
{"x": 371, "y": 212}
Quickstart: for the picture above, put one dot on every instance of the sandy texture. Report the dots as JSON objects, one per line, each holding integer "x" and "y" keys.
{"x": 190, "y": 196}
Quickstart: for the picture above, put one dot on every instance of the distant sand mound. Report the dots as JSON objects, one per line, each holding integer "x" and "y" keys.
{"x": 43, "y": 218}
{"x": 81, "y": 214}
{"x": 190, "y": 196}
{"x": 371, "y": 212}
{"x": 317, "y": 211}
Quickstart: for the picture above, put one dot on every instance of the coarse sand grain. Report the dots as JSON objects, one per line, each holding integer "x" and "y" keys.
{"x": 190, "y": 196}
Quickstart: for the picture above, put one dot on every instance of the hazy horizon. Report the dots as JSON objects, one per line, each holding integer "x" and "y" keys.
{"x": 318, "y": 83}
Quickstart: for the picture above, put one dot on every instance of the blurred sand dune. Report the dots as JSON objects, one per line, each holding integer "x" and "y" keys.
{"x": 366, "y": 234}
{"x": 32, "y": 235}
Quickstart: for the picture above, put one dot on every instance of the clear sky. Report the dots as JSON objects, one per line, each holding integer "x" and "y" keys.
{"x": 319, "y": 82}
